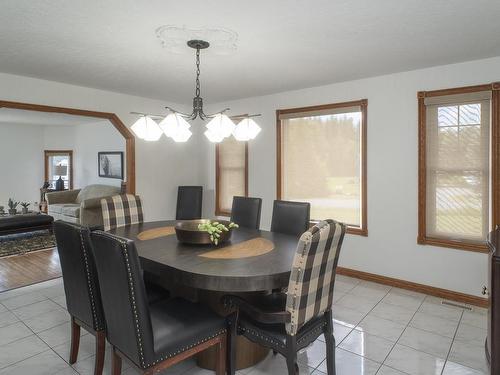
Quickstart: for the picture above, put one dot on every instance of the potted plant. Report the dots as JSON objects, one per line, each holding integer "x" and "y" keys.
{"x": 12, "y": 207}
{"x": 2, "y": 210}
{"x": 25, "y": 205}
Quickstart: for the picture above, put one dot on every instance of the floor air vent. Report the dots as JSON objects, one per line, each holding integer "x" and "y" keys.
{"x": 456, "y": 304}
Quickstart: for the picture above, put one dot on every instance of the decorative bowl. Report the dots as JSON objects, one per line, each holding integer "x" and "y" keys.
{"x": 188, "y": 232}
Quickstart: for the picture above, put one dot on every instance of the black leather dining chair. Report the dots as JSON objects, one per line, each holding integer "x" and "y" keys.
{"x": 246, "y": 212}
{"x": 288, "y": 322}
{"x": 290, "y": 217}
{"x": 153, "y": 337}
{"x": 189, "y": 202}
{"x": 81, "y": 287}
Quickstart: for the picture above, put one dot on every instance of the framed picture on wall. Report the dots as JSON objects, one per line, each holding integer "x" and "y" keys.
{"x": 110, "y": 164}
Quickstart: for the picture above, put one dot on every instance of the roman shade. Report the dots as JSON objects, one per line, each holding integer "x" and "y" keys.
{"x": 231, "y": 168}
{"x": 458, "y": 136}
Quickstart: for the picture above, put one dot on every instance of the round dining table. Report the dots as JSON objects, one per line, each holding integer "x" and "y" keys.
{"x": 252, "y": 262}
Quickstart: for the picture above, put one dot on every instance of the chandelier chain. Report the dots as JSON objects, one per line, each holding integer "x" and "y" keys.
{"x": 197, "y": 72}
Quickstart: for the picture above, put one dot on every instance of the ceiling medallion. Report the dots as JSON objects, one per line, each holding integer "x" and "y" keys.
{"x": 173, "y": 38}
{"x": 175, "y": 125}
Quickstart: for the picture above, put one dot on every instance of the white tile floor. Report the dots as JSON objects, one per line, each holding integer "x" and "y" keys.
{"x": 378, "y": 330}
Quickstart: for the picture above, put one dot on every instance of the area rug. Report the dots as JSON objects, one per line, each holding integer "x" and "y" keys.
{"x": 22, "y": 243}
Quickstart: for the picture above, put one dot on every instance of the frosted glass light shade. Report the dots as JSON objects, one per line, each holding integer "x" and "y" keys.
{"x": 176, "y": 127}
{"x": 221, "y": 125}
{"x": 213, "y": 136}
{"x": 246, "y": 129}
{"x": 146, "y": 128}
{"x": 182, "y": 135}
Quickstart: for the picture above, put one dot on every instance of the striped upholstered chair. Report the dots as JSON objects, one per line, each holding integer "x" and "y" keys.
{"x": 288, "y": 322}
{"x": 121, "y": 210}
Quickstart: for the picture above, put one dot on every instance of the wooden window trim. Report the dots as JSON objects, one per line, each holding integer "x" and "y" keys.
{"x": 422, "y": 237}
{"x": 363, "y": 103}
{"x": 48, "y": 153}
{"x": 218, "y": 210}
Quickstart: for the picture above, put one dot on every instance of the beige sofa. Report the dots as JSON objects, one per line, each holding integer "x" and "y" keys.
{"x": 80, "y": 206}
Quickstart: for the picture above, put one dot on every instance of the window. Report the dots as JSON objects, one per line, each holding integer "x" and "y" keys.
{"x": 59, "y": 162}
{"x": 321, "y": 155}
{"x": 456, "y": 167}
{"x": 231, "y": 160}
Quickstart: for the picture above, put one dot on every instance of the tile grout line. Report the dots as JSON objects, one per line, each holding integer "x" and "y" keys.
{"x": 388, "y": 291}
{"x": 404, "y": 330}
{"x": 452, "y": 341}
{"x": 35, "y": 334}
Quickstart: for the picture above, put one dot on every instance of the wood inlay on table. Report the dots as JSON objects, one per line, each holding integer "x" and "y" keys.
{"x": 151, "y": 234}
{"x": 246, "y": 249}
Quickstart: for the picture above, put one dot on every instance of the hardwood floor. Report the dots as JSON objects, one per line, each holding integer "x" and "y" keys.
{"x": 21, "y": 270}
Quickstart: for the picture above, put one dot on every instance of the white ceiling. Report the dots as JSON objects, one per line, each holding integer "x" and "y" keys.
{"x": 282, "y": 44}
{"x": 23, "y": 117}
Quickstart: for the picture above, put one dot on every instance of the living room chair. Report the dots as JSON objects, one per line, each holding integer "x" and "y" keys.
{"x": 246, "y": 212}
{"x": 189, "y": 202}
{"x": 81, "y": 287}
{"x": 288, "y": 322}
{"x": 121, "y": 210}
{"x": 152, "y": 337}
{"x": 290, "y": 217}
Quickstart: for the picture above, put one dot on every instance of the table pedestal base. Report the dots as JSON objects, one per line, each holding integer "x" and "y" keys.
{"x": 247, "y": 354}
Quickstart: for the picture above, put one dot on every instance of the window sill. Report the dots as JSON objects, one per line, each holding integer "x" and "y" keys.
{"x": 223, "y": 213}
{"x": 350, "y": 230}
{"x": 476, "y": 247}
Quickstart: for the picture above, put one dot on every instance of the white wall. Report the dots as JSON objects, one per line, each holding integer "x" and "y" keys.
{"x": 21, "y": 163}
{"x": 391, "y": 248}
{"x": 160, "y": 166}
{"x": 86, "y": 141}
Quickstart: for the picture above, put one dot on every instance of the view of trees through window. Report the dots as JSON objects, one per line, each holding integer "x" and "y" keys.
{"x": 321, "y": 164}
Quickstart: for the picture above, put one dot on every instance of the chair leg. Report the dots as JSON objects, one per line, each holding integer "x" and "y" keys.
{"x": 220, "y": 365}
{"x": 100, "y": 350}
{"x": 232, "y": 322}
{"x": 330, "y": 344}
{"x": 291, "y": 355}
{"x": 116, "y": 365}
{"x": 291, "y": 364}
{"x": 75, "y": 341}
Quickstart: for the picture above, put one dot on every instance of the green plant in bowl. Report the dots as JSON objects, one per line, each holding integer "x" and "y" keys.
{"x": 214, "y": 229}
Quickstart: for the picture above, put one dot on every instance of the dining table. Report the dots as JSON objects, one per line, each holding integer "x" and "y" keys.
{"x": 250, "y": 263}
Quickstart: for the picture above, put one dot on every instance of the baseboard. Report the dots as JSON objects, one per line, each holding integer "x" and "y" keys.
{"x": 403, "y": 284}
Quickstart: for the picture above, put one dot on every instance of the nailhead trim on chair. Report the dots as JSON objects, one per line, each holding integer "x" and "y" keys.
{"x": 132, "y": 294}
{"x": 173, "y": 354}
{"x": 262, "y": 337}
{"x": 97, "y": 323}
{"x": 313, "y": 333}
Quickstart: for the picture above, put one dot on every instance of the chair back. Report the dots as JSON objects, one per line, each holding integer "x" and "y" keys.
{"x": 124, "y": 299}
{"x": 81, "y": 285}
{"x": 121, "y": 210}
{"x": 246, "y": 212}
{"x": 310, "y": 288}
{"x": 189, "y": 202}
{"x": 290, "y": 217}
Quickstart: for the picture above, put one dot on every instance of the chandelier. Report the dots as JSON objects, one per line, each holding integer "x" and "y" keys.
{"x": 175, "y": 124}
